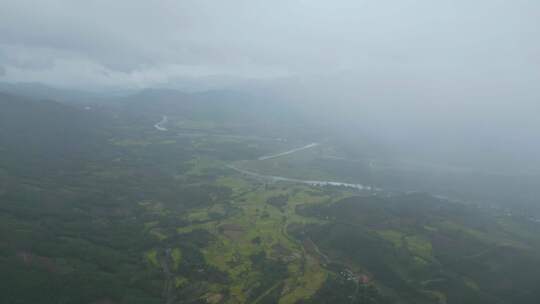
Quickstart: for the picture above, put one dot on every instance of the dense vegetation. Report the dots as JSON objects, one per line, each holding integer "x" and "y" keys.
{"x": 98, "y": 206}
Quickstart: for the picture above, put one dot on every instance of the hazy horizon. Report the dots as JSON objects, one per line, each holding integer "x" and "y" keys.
{"x": 453, "y": 80}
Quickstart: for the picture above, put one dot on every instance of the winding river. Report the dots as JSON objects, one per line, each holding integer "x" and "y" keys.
{"x": 312, "y": 145}
{"x": 318, "y": 183}
{"x": 160, "y": 125}
{"x": 275, "y": 178}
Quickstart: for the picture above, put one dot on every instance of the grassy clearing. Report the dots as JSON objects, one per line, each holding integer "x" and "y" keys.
{"x": 198, "y": 215}
{"x": 154, "y": 207}
{"x": 201, "y": 165}
{"x": 158, "y": 233}
{"x": 210, "y": 226}
{"x": 419, "y": 247}
{"x": 238, "y": 185}
{"x": 180, "y": 281}
{"x": 393, "y": 236}
{"x": 177, "y": 257}
{"x": 302, "y": 286}
{"x": 471, "y": 284}
{"x": 151, "y": 256}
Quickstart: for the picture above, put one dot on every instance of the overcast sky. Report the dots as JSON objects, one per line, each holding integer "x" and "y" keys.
{"x": 432, "y": 75}
{"x": 144, "y": 43}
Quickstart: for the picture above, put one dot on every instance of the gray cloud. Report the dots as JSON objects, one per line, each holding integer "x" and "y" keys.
{"x": 417, "y": 72}
{"x": 134, "y": 41}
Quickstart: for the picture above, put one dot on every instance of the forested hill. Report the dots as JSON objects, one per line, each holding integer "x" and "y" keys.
{"x": 46, "y": 132}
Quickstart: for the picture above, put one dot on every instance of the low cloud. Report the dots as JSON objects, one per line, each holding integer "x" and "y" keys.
{"x": 265, "y": 38}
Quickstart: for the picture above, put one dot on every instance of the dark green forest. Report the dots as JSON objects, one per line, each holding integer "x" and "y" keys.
{"x": 99, "y": 206}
